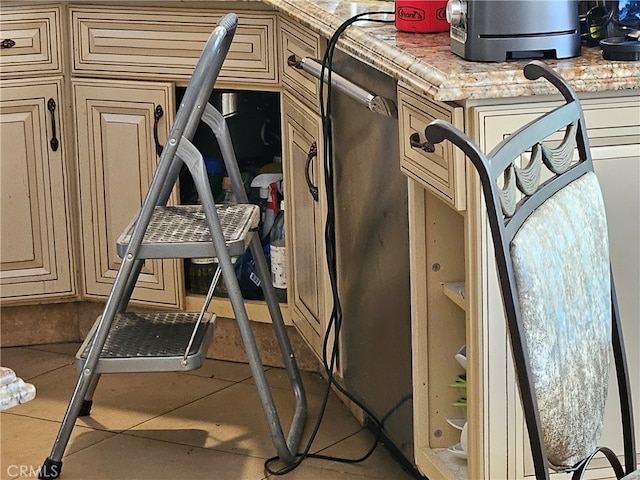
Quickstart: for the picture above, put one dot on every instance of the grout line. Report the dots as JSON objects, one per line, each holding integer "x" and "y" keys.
{"x": 341, "y": 440}
{"x": 179, "y": 407}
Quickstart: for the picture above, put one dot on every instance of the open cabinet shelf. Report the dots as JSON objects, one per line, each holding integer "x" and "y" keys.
{"x": 439, "y": 325}
{"x": 455, "y": 291}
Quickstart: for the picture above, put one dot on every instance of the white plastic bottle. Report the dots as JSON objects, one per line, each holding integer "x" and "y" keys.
{"x": 279, "y": 256}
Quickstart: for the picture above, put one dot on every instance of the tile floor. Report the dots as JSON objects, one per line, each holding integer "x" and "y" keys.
{"x": 205, "y": 424}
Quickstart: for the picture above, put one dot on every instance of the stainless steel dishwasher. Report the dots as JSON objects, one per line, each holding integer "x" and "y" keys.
{"x": 372, "y": 245}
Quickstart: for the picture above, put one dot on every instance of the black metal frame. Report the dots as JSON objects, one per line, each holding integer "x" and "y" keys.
{"x": 499, "y": 163}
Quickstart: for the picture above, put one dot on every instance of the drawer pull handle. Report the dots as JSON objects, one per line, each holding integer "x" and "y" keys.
{"x": 51, "y": 106}
{"x": 414, "y": 140}
{"x": 157, "y": 115}
{"x": 293, "y": 61}
{"x": 313, "y": 152}
{"x": 7, "y": 43}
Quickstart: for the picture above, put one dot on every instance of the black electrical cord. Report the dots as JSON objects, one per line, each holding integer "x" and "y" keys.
{"x": 597, "y": 29}
{"x": 335, "y": 321}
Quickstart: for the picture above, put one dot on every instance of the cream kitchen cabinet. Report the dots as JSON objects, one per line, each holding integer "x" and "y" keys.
{"x": 613, "y": 125}
{"x": 439, "y": 304}
{"x": 305, "y": 210}
{"x": 441, "y": 170}
{"x": 126, "y": 62}
{"x": 117, "y": 124}
{"x": 31, "y": 41}
{"x": 455, "y": 289}
{"x": 308, "y": 277}
{"x": 37, "y": 258}
{"x": 161, "y": 43}
{"x": 37, "y": 255}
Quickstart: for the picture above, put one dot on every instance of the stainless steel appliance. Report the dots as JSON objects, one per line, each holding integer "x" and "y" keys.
{"x": 499, "y": 30}
{"x": 372, "y": 244}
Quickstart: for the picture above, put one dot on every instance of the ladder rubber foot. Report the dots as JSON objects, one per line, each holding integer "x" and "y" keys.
{"x": 50, "y": 469}
{"x": 85, "y": 409}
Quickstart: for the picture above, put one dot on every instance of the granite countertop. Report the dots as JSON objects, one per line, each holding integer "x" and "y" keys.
{"x": 424, "y": 62}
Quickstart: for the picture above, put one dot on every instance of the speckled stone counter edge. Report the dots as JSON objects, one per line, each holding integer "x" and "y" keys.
{"x": 424, "y": 62}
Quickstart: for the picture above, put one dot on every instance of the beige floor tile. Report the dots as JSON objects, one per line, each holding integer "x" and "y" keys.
{"x": 223, "y": 370}
{"x": 121, "y": 400}
{"x": 380, "y": 465}
{"x": 313, "y": 382}
{"x": 26, "y": 442}
{"x": 29, "y": 363}
{"x": 62, "y": 348}
{"x": 236, "y": 423}
{"x": 306, "y": 471}
{"x": 125, "y": 457}
{"x": 202, "y": 409}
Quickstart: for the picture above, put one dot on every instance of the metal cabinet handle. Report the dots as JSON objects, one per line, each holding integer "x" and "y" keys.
{"x": 293, "y": 61}
{"x": 51, "y": 106}
{"x": 157, "y": 115}
{"x": 313, "y": 152}
{"x": 427, "y": 146}
{"x": 7, "y": 43}
{"x": 374, "y": 102}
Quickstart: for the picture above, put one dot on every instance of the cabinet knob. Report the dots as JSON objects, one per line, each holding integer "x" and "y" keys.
{"x": 7, "y": 43}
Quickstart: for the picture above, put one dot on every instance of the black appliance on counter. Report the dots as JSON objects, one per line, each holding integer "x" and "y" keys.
{"x": 499, "y": 30}
{"x": 614, "y": 25}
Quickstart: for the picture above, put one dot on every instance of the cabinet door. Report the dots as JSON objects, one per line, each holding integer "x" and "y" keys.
{"x": 36, "y": 255}
{"x": 116, "y": 161}
{"x": 305, "y": 217}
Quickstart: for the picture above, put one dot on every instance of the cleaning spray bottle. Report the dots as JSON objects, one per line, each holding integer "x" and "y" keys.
{"x": 271, "y": 210}
{"x": 268, "y": 208}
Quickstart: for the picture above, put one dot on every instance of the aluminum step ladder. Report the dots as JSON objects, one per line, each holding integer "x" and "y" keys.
{"x": 122, "y": 341}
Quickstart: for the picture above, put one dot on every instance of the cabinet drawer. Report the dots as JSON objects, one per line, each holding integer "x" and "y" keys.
{"x": 167, "y": 44}
{"x": 441, "y": 171}
{"x": 31, "y": 41}
{"x": 299, "y": 43}
{"x": 610, "y": 121}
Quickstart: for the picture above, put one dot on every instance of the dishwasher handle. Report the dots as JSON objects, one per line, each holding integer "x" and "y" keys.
{"x": 375, "y": 103}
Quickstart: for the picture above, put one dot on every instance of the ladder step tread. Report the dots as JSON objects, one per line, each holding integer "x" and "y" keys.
{"x": 181, "y": 231}
{"x": 151, "y": 341}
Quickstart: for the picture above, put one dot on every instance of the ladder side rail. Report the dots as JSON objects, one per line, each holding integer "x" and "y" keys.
{"x": 286, "y": 449}
{"x": 129, "y": 286}
{"x": 198, "y": 172}
{"x": 288, "y": 357}
{"x": 218, "y": 125}
{"x": 197, "y": 94}
{"x": 192, "y": 158}
{"x": 120, "y": 307}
